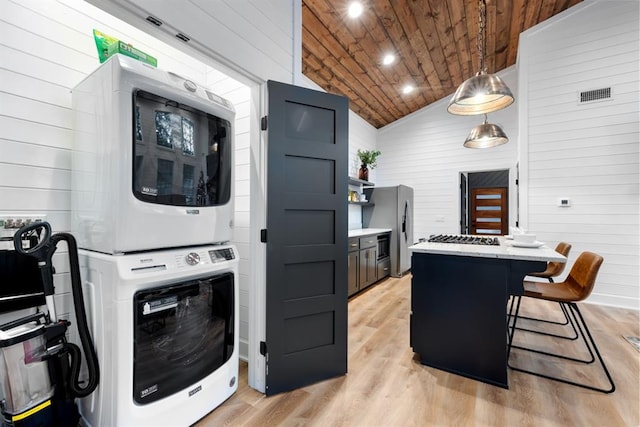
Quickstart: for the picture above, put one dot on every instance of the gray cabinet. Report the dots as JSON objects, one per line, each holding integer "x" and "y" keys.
{"x": 364, "y": 266}
{"x": 384, "y": 268}
{"x": 353, "y": 266}
{"x": 368, "y": 261}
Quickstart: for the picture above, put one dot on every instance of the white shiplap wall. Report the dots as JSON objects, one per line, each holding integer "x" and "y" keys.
{"x": 239, "y": 95}
{"x": 588, "y": 153}
{"x": 252, "y": 37}
{"x": 362, "y": 136}
{"x": 425, "y": 151}
{"x": 46, "y": 48}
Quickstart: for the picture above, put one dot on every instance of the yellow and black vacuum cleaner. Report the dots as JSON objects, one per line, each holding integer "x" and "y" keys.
{"x": 39, "y": 368}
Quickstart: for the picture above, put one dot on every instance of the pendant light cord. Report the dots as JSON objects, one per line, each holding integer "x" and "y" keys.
{"x": 484, "y": 92}
{"x": 482, "y": 34}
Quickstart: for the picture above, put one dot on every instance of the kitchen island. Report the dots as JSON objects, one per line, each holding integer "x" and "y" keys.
{"x": 459, "y": 295}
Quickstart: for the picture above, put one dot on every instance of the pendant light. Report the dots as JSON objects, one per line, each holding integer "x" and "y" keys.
{"x": 482, "y": 93}
{"x": 486, "y": 135}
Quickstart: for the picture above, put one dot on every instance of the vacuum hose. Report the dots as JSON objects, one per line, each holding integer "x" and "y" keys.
{"x": 83, "y": 329}
{"x": 43, "y": 250}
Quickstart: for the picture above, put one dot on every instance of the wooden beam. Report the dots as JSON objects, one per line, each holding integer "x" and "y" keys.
{"x": 334, "y": 55}
{"x": 377, "y": 32}
{"x": 492, "y": 24}
{"x": 461, "y": 37}
{"x": 435, "y": 40}
{"x": 350, "y": 54}
{"x": 438, "y": 12}
{"x": 533, "y": 12}
{"x": 417, "y": 42}
{"x": 518, "y": 12}
{"x": 502, "y": 34}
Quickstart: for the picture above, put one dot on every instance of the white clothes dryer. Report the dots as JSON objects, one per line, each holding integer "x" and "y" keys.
{"x": 152, "y": 163}
{"x": 166, "y": 334}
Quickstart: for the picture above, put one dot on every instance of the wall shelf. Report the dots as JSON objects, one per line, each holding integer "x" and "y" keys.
{"x": 360, "y": 182}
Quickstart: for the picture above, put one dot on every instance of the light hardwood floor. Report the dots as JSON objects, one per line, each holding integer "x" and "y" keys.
{"x": 388, "y": 386}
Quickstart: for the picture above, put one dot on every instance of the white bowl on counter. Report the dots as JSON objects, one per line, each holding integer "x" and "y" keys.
{"x": 524, "y": 237}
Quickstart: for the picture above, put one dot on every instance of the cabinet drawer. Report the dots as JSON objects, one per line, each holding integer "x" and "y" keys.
{"x": 368, "y": 242}
{"x": 354, "y": 244}
{"x": 384, "y": 268}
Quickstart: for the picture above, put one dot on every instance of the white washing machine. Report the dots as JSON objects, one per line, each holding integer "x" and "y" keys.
{"x": 166, "y": 333}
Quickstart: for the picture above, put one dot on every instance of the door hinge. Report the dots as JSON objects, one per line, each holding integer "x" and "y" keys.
{"x": 263, "y": 123}
{"x": 263, "y": 235}
{"x": 517, "y": 181}
{"x": 263, "y": 348}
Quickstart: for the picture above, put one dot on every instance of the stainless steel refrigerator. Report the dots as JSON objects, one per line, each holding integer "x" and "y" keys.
{"x": 392, "y": 208}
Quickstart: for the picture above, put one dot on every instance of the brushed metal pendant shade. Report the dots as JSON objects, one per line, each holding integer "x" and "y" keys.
{"x": 486, "y": 135}
{"x": 482, "y": 93}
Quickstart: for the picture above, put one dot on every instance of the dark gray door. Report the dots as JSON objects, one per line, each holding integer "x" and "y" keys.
{"x": 307, "y": 187}
{"x": 464, "y": 228}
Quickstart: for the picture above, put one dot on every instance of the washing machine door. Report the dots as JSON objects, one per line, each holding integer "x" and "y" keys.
{"x": 182, "y": 333}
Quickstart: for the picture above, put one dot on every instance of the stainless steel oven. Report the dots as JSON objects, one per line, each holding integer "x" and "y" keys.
{"x": 383, "y": 246}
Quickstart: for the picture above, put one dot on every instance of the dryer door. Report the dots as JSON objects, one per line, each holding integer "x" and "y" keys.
{"x": 183, "y": 332}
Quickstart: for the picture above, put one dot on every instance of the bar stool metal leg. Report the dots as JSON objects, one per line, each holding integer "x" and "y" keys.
{"x": 567, "y": 321}
{"x": 589, "y": 342}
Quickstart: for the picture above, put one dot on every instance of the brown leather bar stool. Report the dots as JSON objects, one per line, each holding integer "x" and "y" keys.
{"x": 577, "y": 287}
{"x": 554, "y": 269}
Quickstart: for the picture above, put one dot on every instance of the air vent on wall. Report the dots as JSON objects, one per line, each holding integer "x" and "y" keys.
{"x": 155, "y": 21}
{"x": 595, "y": 95}
{"x": 183, "y": 37}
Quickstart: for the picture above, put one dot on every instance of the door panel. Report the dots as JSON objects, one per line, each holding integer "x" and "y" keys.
{"x": 368, "y": 267}
{"x": 353, "y": 266}
{"x": 489, "y": 211}
{"x": 306, "y": 277}
{"x": 464, "y": 227}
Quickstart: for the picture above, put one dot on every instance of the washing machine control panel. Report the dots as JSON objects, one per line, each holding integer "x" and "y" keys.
{"x": 219, "y": 255}
{"x": 192, "y": 258}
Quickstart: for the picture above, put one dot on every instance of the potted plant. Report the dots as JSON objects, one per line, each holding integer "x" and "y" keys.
{"x": 367, "y": 161}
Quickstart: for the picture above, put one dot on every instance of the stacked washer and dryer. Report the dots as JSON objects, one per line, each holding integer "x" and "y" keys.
{"x": 152, "y": 211}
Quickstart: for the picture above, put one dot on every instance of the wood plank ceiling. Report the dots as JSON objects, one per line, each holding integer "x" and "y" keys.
{"x": 435, "y": 43}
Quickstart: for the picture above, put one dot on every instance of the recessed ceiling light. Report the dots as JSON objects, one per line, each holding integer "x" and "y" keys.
{"x": 355, "y": 9}
{"x": 407, "y": 89}
{"x": 388, "y": 59}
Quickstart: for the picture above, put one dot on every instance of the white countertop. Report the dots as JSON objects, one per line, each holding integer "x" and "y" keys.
{"x": 504, "y": 251}
{"x": 360, "y": 232}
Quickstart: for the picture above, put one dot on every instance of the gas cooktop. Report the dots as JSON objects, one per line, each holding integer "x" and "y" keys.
{"x": 464, "y": 239}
